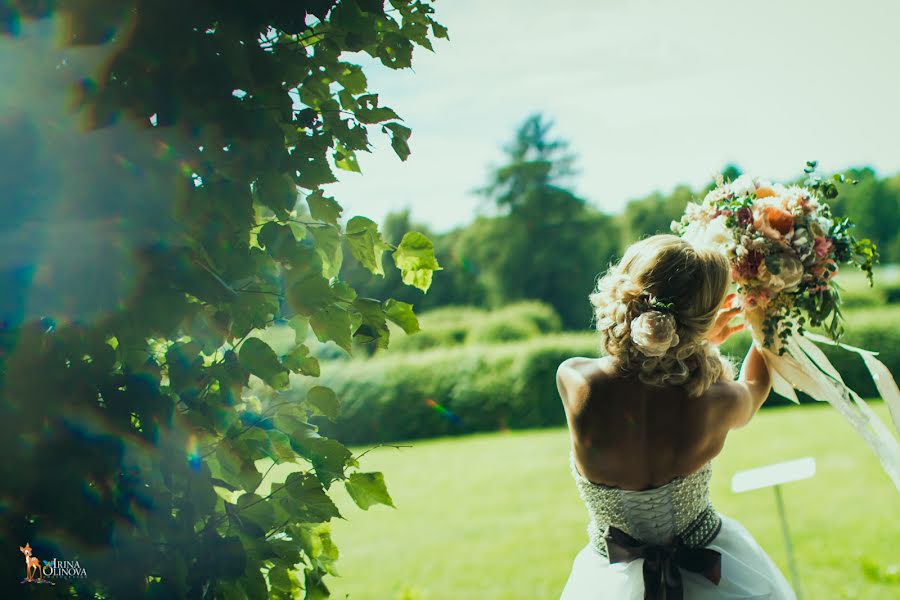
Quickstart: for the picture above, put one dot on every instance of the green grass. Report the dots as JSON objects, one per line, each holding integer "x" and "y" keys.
{"x": 497, "y": 516}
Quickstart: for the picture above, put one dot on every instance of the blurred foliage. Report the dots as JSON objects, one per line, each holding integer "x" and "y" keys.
{"x": 484, "y": 387}
{"x": 455, "y": 325}
{"x": 130, "y": 441}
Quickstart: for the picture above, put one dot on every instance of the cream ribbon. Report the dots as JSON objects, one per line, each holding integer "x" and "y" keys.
{"x": 805, "y": 367}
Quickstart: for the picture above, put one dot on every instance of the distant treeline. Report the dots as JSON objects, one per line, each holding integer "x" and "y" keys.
{"x": 550, "y": 245}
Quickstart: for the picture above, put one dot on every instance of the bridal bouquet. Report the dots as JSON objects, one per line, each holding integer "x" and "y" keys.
{"x": 785, "y": 247}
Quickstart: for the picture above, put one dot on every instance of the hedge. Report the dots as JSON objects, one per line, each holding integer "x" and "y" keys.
{"x": 456, "y": 325}
{"x": 491, "y": 387}
{"x": 487, "y": 387}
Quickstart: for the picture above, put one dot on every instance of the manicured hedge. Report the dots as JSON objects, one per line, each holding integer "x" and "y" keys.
{"x": 490, "y": 387}
{"x": 456, "y": 325}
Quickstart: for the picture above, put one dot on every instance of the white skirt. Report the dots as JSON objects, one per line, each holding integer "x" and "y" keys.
{"x": 747, "y": 573}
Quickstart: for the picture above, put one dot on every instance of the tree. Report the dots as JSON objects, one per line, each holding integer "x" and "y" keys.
{"x": 130, "y": 439}
{"x": 550, "y": 245}
{"x": 873, "y": 204}
{"x": 654, "y": 213}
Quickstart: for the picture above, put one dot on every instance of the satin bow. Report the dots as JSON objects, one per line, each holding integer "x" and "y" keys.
{"x": 662, "y": 577}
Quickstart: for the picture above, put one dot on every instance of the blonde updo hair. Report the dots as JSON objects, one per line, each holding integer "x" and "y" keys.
{"x": 655, "y": 308}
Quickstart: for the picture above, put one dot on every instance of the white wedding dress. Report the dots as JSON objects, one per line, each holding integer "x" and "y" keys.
{"x": 654, "y": 518}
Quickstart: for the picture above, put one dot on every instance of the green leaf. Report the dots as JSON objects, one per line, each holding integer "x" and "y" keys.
{"x": 281, "y": 445}
{"x": 333, "y": 323}
{"x": 315, "y": 504}
{"x": 315, "y": 538}
{"x": 253, "y": 507}
{"x": 229, "y": 460}
{"x": 402, "y": 314}
{"x": 277, "y": 191}
{"x": 369, "y": 112}
{"x": 278, "y": 240}
{"x": 366, "y": 244}
{"x": 279, "y": 579}
{"x": 439, "y": 31}
{"x": 328, "y": 245}
{"x": 249, "y": 476}
{"x": 373, "y": 324}
{"x": 257, "y": 357}
{"x": 230, "y": 559}
{"x": 399, "y": 130}
{"x": 399, "y": 137}
{"x": 299, "y": 361}
{"x": 325, "y": 401}
{"x": 314, "y": 91}
{"x": 323, "y": 208}
{"x": 314, "y": 171}
{"x": 328, "y": 457}
{"x": 368, "y": 489}
{"x": 346, "y": 159}
{"x": 352, "y": 78}
{"x": 395, "y": 51}
{"x": 415, "y": 259}
{"x": 300, "y": 325}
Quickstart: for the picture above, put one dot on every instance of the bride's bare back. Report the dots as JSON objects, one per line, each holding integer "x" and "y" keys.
{"x": 634, "y": 436}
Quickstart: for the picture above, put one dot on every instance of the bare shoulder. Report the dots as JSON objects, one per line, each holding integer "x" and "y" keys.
{"x": 729, "y": 404}
{"x": 576, "y": 376}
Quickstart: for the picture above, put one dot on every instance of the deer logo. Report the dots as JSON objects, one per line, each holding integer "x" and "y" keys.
{"x": 32, "y": 564}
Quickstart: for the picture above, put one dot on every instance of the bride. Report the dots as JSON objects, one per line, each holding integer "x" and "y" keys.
{"x": 646, "y": 420}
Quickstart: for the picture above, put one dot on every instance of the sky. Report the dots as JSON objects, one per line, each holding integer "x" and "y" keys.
{"x": 650, "y": 94}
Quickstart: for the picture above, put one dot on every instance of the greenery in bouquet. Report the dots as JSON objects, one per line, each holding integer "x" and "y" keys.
{"x": 785, "y": 248}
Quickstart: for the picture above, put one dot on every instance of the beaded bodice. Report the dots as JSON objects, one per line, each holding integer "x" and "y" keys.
{"x": 679, "y": 508}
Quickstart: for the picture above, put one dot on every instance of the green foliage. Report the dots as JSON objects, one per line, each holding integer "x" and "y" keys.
{"x": 653, "y": 214}
{"x": 133, "y": 440}
{"x": 487, "y": 387}
{"x": 873, "y": 203}
{"x": 454, "y": 325}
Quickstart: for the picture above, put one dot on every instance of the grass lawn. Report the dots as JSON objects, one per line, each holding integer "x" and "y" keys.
{"x": 497, "y": 516}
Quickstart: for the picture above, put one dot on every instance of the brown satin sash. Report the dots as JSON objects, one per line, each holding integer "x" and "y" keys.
{"x": 662, "y": 564}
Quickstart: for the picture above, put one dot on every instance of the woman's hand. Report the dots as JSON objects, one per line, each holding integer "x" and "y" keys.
{"x": 721, "y": 330}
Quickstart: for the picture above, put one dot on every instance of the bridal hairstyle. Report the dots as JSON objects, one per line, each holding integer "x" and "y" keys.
{"x": 654, "y": 310}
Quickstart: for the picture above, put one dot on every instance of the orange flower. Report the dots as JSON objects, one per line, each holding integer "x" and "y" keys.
{"x": 780, "y": 219}
{"x": 764, "y": 192}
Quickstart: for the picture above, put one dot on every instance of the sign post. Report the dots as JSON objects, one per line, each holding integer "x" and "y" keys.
{"x": 775, "y": 476}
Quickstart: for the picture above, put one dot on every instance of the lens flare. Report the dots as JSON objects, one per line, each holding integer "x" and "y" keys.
{"x": 193, "y": 453}
{"x": 453, "y": 418}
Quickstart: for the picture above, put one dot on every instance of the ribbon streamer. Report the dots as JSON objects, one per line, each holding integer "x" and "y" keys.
{"x": 805, "y": 367}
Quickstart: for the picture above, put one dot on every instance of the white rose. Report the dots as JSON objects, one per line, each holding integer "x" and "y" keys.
{"x": 743, "y": 185}
{"x": 653, "y": 332}
{"x": 713, "y": 234}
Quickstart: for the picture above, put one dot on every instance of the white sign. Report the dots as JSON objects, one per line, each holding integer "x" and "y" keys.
{"x": 792, "y": 470}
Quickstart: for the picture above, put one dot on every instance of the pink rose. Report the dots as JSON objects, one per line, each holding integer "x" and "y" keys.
{"x": 822, "y": 247}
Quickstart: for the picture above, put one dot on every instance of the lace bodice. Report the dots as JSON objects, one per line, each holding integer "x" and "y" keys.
{"x": 655, "y": 516}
